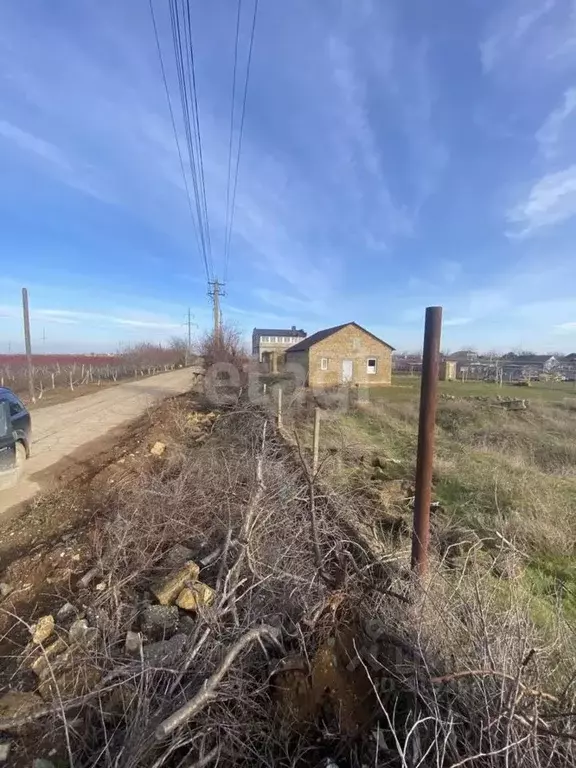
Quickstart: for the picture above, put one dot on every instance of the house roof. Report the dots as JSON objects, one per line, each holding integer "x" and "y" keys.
{"x": 527, "y": 359}
{"x": 305, "y": 344}
{"x": 278, "y": 332}
{"x": 570, "y": 358}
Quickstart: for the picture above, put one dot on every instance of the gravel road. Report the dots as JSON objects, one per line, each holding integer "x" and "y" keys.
{"x": 59, "y": 430}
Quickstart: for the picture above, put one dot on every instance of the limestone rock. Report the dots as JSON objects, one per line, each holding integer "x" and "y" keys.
{"x": 158, "y": 448}
{"x": 42, "y": 630}
{"x": 4, "y": 751}
{"x": 42, "y": 664}
{"x": 18, "y": 703}
{"x": 168, "y": 590}
{"x": 82, "y": 634}
{"x": 5, "y": 589}
{"x": 75, "y": 680}
{"x": 192, "y": 598}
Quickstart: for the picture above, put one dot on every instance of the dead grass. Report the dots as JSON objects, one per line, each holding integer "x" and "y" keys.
{"x": 343, "y": 660}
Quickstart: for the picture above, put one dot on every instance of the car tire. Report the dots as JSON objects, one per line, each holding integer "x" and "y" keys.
{"x": 20, "y": 457}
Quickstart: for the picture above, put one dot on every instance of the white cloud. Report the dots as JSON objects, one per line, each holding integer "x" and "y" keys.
{"x": 454, "y": 321}
{"x": 566, "y": 327}
{"x": 551, "y": 200}
{"x": 550, "y": 134}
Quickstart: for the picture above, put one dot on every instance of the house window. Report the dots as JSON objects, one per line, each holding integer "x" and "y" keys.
{"x": 323, "y": 363}
{"x": 264, "y": 339}
{"x": 371, "y": 365}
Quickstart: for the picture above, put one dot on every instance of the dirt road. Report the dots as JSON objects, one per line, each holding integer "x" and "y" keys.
{"x": 61, "y": 430}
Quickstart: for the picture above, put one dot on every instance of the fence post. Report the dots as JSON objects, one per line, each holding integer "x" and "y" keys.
{"x": 316, "y": 441}
{"x": 279, "y": 411}
{"x": 426, "y": 424}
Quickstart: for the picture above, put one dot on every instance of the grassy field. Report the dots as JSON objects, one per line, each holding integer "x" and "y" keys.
{"x": 408, "y": 387}
{"x": 504, "y": 481}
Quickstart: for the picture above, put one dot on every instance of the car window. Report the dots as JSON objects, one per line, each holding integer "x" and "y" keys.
{"x": 16, "y": 406}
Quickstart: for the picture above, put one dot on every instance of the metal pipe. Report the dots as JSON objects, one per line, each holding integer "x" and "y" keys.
{"x": 426, "y": 425}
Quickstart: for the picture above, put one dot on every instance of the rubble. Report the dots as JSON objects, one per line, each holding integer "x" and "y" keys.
{"x": 133, "y": 644}
{"x": 42, "y": 630}
{"x": 18, "y": 703}
{"x": 168, "y": 590}
{"x": 41, "y": 762}
{"x": 4, "y": 751}
{"x": 177, "y": 557}
{"x": 5, "y": 589}
{"x": 158, "y": 448}
{"x": 65, "y": 612}
{"x": 165, "y": 652}
{"x": 41, "y": 665}
{"x": 160, "y": 620}
{"x": 192, "y": 598}
{"x": 81, "y": 633}
{"x": 72, "y": 681}
{"x": 88, "y": 577}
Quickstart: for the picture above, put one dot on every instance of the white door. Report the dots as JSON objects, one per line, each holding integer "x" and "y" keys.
{"x": 347, "y": 370}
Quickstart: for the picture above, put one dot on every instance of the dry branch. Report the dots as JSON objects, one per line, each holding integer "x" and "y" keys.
{"x": 208, "y": 691}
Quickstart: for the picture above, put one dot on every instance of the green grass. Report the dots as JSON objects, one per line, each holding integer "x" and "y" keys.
{"x": 405, "y": 388}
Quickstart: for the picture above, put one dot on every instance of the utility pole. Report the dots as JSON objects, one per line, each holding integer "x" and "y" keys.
{"x": 216, "y": 290}
{"x": 426, "y": 426}
{"x": 189, "y": 347}
{"x": 44, "y": 338}
{"x": 27, "y": 341}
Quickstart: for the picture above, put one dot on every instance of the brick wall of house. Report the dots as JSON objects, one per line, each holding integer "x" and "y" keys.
{"x": 350, "y": 343}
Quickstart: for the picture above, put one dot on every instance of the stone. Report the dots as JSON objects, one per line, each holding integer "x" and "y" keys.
{"x": 4, "y": 751}
{"x": 177, "y": 557}
{"x": 77, "y": 679}
{"x": 166, "y": 652}
{"x": 42, "y": 630}
{"x": 5, "y": 589}
{"x": 517, "y": 405}
{"x": 66, "y": 612}
{"x": 168, "y": 589}
{"x": 158, "y": 449}
{"x": 192, "y": 598}
{"x": 160, "y": 620}
{"x": 18, "y": 703}
{"x": 88, "y": 577}
{"x": 133, "y": 644}
{"x": 81, "y": 633}
{"x": 42, "y": 664}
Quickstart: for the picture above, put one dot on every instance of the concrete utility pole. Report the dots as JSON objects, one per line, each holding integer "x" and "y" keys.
{"x": 189, "y": 347}
{"x": 215, "y": 292}
{"x": 27, "y": 341}
{"x": 426, "y": 427}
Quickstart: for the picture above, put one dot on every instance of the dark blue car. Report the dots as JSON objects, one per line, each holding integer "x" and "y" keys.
{"x": 15, "y": 431}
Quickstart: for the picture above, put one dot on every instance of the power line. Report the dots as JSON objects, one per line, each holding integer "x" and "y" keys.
{"x": 232, "y": 105}
{"x": 243, "y": 114}
{"x": 174, "y": 129}
{"x": 182, "y": 40}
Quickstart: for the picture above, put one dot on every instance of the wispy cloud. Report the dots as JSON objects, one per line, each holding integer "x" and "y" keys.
{"x": 76, "y": 317}
{"x": 558, "y": 126}
{"x": 551, "y": 200}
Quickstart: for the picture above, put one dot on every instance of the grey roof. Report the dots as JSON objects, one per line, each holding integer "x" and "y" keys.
{"x": 527, "y": 359}
{"x": 278, "y": 332}
{"x": 321, "y": 335}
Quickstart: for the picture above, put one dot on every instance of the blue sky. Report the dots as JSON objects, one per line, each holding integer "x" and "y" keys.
{"x": 395, "y": 155}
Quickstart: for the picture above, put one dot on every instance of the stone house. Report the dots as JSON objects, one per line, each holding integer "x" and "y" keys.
{"x": 269, "y": 344}
{"x": 344, "y": 354}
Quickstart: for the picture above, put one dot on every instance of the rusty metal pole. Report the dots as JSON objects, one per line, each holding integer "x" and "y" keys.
{"x": 28, "y": 343}
{"x": 426, "y": 425}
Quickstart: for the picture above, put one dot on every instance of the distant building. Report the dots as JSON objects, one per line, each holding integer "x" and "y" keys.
{"x": 344, "y": 354}
{"x": 269, "y": 344}
{"x": 527, "y": 366}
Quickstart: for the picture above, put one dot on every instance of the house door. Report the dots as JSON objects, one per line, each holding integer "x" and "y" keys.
{"x": 347, "y": 370}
